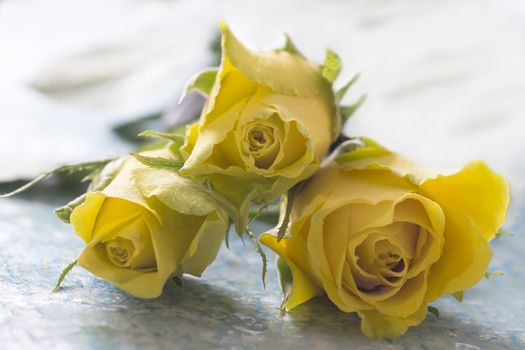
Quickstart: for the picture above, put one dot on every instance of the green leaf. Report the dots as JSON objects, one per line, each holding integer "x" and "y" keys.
{"x": 99, "y": 178}
{"x": 92, "y": 175}
{"x": 331, "y": 66}
{"x": 495, "y": 273}
{"x": 434, "y": 311}
{"x": 159, "y": 162}
{"x": 172, "y": 137}
{"x": 105, "y": 175}
{"x": 357, "y": 149}
{"x": 259, "y": 249}
{"x": 174, "y": 140}
{"x": 347, "y": 111}
{"x": 68, "y": 169}
{"x": 202, "y": 82}
{"x": 290, "y": 47}
{"x": 215, "y": 48}
{"x": 290, "y": 196}
{"x": 500, "y": 234}
{"x": 64, "y": 212}
{"x": 285, "y": 280}
{"x": 63, "y": 275}
{"x": 236, "y": 201}
{"x": 458, "y": 296}
{"x": 342, "y": 91}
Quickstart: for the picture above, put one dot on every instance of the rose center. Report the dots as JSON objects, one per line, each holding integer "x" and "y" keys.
{"x": 119, "y": 253}
{"x": 259, "y": 137}
{"x": 119, "y": 250}
{"x": 388, "y": 256}
{"x": 260, "y": 143}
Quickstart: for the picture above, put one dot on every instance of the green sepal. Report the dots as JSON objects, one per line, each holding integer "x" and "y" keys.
{"x": 100, "y": 179}
{"x": 259, "y": 250}
{"x": 340, "y": 94}
{"x": 281, "y": 232}
{"x": 64, "y": 212}
{"x": 359, "y": 148}
{"x": 347, "y": 111}
{"x": 495, "y": 273}
{"x": 500, "y": 234}
{"x": 63, "y": 275}
{"x": 159, "y": 162}
{"x": 67, "y": 170}
{"x": 434, "y": 311}
{"x": 172, "y": 137}
{"x": 458, "y": 296}
{"x": 290, "y": 196}
{"x": 173, "y": 141}
{"x": 285, "y": 280}
{"x": 291, "y": 76}
{"x": 202, "y": 82}
{"x": 236, "y": 201}
{"x": 331, "y": 66}
{"x": 290, "y": 47}
{"x": 105, "y": 175}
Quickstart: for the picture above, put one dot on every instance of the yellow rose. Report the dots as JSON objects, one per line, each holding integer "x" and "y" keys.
{"x": 383, "y": 237}
{"x": 147, "y": 226}
{"x": 269, "y": 119}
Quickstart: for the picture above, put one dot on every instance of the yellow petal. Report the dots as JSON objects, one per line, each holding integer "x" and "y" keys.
{"x": 230, "y": 88}
{"x": 206, "y": 244}
{"x": 207, "y": 139}
{"x": 373, "y": 156}
{"x": 293, "y": 252}
{"x": 294, "y": 147}
{"x": 465, "y": 257}
{"x": 407, "y": 300}
{"x": 190, "y": 138}
{"x": 476, "y": 191}
{"x": 313, "y": 116}
{"x": 137, "y": 237}
{"x": 327, "y": 245}
{"x": 285, "y": 73}
{"x": 377, "y": 325}
{"x": 430, "y": 217}
{"x": 123, "y": 186}
{"x": 173, "y": 236}
{"x": 178, "y": 193}
{"x": 366, "y": 216}
{"x": 335, "y": 237}
{"x": 83, "y": 218}
{"x": 113, "y": 215}
{"x": 139, "y": 283}
{"x": 227, "y": 153}
{"x": 419, "y": 210}
{"x": 368, "y": 187}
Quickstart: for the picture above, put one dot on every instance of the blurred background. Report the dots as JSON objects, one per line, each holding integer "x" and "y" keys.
{"x": 445, "y": 79}
{"x": 79, "y": 78}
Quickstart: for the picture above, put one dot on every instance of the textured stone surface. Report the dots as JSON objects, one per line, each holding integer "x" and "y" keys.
{"x": 227, "y": 308}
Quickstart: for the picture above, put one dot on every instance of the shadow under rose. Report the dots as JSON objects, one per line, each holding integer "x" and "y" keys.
{"x": 322, "y": 323}
{"x": 198, "y": 316}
